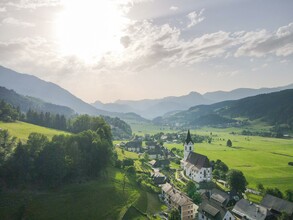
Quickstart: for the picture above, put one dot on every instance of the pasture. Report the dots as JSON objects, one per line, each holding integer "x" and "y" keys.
{"x": 261, "y": 159}
{"x": 21, "y": 130}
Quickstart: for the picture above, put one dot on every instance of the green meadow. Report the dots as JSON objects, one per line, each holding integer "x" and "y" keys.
{"x": 261, "y": 159}
{"x": 103, "y": 198}
{"x": 22, "y": 130}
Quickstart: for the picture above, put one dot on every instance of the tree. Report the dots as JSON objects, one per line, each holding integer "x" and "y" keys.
{"x": 146, "y": 157}
{"x": 190, "y": 188}
{"x": 7, "y": 143}
{"x": 174, "y": 215}
{"x": 131, "y": 170}
{"x": 260, "y": 187}
{"x": 274, "y": 192}
{"x": 196, "y": 198}
{"x": 284, "y": 216}
{"x": 216, "y": 174}
{"x": 236, "y": 180}
{"x": 229, "y": 143}
{"x": 289, "y": 195}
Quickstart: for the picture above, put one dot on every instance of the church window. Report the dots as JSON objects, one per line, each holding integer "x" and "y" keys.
{"x": 190, "y": 148}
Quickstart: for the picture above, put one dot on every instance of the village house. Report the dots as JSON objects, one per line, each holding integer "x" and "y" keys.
{"x": 277, "y": 205}
{"x": 159, "y": 163}
{"x": 215, "y": 206}
{"x": 159, "y": 152}
{"x": 134, "y": 146}
{"x": 210, "y": 210}
{"x": 245, "y": 209}
{"x": 196, "y": 166}
{"x": 159, "y": 178}
{"x": 178, "y": 200}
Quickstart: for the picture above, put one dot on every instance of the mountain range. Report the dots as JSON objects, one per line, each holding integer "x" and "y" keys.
{"x": 151, "y": 108}
{"x": 274, "y": 108}
{"x": 128, "y": 110}
{"x": 28, "y": 85}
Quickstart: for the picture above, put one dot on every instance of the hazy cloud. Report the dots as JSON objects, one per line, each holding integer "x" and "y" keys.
{"x": 30, "y": 4}
{"x": 174, "y": 8}
{"x": 16, "y": 22}
{"x": 262, "y": 43}
{"x": 195, "y": 18}
{"x": 3, "y": 9}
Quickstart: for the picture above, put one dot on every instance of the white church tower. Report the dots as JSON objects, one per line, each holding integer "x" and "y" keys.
{"x": 188, "y": 145}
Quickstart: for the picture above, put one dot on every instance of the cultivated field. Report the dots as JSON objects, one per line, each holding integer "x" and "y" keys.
{"x": 22, "y": 130}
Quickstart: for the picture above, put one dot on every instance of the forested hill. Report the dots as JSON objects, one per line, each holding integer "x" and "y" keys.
{"x": 274, "y": 108}
{"x": 25, "y": 103}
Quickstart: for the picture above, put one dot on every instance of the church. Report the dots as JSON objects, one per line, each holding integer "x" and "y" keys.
{"x": 196, "y": 166}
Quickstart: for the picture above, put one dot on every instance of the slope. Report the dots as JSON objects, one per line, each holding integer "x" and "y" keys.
{"x": 21, "y": 130}
{"x": 273, "y": 108}
{"x": 29, "y": 85}
{"x": 26, "y": 103}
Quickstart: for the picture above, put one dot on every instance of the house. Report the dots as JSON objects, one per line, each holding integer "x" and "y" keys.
{"x": 222, "y": 198}
{"x": 215, "y": 205}
{"x": 159, "y": 178}
{"x": 178, "y": 200}
{"x": 210, "y": 210}
{"x": 277, "y": 205}
{"x": 245, "y": 209}
{"x": 196, "y": 166}
{"x": 134, "y": 146}
{"x": 156, "y": 152}
{"x": 159, "y": 163}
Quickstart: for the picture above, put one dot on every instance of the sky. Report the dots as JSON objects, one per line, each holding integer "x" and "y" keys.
{"x": 136, "y": 49}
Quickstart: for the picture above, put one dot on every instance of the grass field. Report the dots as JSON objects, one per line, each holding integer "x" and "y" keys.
{"x": 100, "y": 199}
{"x": 22, "y": 130}
{"x": 262, "y": 160}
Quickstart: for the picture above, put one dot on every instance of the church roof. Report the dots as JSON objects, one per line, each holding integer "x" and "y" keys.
{"x": 188, "y": 138}
{"x": 198, "y": 160}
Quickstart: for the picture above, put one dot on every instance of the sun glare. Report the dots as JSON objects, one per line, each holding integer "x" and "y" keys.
{"x": 88, "y": 28}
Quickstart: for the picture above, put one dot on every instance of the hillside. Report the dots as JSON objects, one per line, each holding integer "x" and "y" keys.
{"x": 104, "y": 199}
{"x": 273, "y": 108}
{"x": 25, "y": 103}
{"x": 29, "y": 85}
{"x": 32, "y": 86}
{"x": 21, "y": 130}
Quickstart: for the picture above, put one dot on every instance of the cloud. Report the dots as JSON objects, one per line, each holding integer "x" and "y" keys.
{"x": 31, "y": 4}
{"x": 261, "y": 43}
{"x": 147, "y": 45}
{"x": 16, "y": 22}
{"x": 195, "y": 18}
{"x": 3, "y": 9}
{"x": 174, "y": 8}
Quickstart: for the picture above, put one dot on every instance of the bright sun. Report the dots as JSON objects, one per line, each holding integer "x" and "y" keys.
{"x": 89, "y": 28}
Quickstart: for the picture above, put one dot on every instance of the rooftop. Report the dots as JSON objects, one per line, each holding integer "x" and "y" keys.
{"x": 275, "y": 203}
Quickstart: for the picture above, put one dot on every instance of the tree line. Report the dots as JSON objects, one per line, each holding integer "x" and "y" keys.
{"x": 8, "y": 113}
{"x": 44, "y": 163}
{"x": 75, "y": 124}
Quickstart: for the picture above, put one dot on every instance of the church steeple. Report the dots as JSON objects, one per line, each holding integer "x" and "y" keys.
{"x": 188, "y": 138}
{"x": 188, "y": 145}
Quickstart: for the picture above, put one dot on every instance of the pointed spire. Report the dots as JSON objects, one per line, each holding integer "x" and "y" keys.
{"x": 188, "y": 138}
